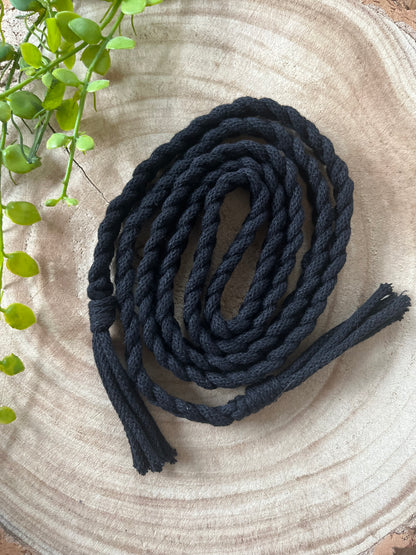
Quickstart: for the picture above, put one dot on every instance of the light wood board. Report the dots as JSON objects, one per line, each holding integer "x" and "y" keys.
{"x": 330, "y": 468}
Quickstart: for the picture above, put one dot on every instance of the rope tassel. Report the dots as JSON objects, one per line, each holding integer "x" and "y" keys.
{"x": 186, "y": 181}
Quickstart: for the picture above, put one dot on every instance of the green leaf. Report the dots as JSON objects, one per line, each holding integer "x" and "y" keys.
{"x": 15, "y": 161}
{"x": 6, "y": 52}
{"x": 22, "y": 212}
{"x": 86, "y": 29}
{"x": 66, "y": 76}
{"x": 19, "y": 316}
{"x": 153, "y": 2}
{"x": 11, "y": 365}
{"x": 31, "y": 54}
{"x": 30, "y": 71}
{"x": 23, "y": 64}
{"x": 118, "y": 43}
{"x": 71, "y": 201}
{"x": 54, "y": 95}
{"x": 51, "y": 201}
{"x": 25, "y": 104}
{"x": 22, "y": 264}
{"x": 97, "y": 85}
{"x": 131, "y": 7}
{"x": 54, "y": 35}
{"x": 102, "y": 65}
{"x": 70, "y": 61}
{"x": 66, "y": 114}
{"x": 47, "y": 79}
{"x": 57, "y": 140}
{"x": 63, "y": 19}
{"x": 63, "y": 5}
{"x": 85, "y": 142}
{"x": 65, "y": 48}
{"x": 26, "y": 5}
{"x": 4, "y": 111}
{"x": 7, "y": 415}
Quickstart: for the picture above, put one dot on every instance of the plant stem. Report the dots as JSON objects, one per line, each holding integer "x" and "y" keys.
{"x": 43, "y": 70}
{"x": 3, "y": 40}
{"x": 110, "y": 15}
{"x": 61, "y": 58}
{"x": 39, "y": 136}
{"x": 20, "y": 137}
{"x": 82, "y": 98}
{"x": 2, "y": 143}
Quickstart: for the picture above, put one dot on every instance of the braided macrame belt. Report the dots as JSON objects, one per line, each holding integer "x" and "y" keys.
{"x": 183, "y": 182}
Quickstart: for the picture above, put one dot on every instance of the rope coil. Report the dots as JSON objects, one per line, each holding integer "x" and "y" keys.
{"x": 187, "y": 179}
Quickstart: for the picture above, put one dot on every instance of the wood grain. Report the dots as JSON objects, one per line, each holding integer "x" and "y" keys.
{"x": 330, "y": 468}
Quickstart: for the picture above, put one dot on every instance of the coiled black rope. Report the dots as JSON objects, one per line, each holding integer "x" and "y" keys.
{"x": 188, "y": 178}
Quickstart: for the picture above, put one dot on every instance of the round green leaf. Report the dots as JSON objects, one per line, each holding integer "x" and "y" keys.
{"x": 31, "y": 54}
{"x": 22, "y": 264}
{"x": 6, "y": 52}
{"x": 102, "y": 65}
{"x": 118, "y": 43}
{"x": 51, "y": 202}
{"x": 66, "y": 76}
{"x": 11, "y": 365}
{"x": 54, "y": 95}
{"x": 71, "y": 201}
{"x": 85, "y": 142}
{"x": 131, "y": 7}
{"x": 25, "y": 104}
{"x": 19, "y": 316}
{"x": 57, "y": 140}
{"x": 26, "y": 5}
{"x": 4, "y": 111}
{"x": 66, "y": 114}
{"x": 63, "y": 19}
{"x": 54, "y": 35}
{"x": 22, "y": 212}
{"x": 97, "y": 85}
{"x": 86, "y": 29}
{"x": 7, "y": 415}
{"x": 14, "y": 160}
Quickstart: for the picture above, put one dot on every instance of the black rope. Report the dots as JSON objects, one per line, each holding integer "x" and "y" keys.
{"x": 182, "y": 181}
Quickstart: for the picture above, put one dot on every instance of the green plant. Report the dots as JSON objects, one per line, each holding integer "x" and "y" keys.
{"x": 56, "y": 37}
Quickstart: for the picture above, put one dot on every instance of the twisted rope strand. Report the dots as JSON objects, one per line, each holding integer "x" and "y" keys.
{"x": 188, "y": 179}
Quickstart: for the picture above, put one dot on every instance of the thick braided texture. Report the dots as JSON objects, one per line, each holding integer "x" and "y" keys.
{"x": 183, "y": 182}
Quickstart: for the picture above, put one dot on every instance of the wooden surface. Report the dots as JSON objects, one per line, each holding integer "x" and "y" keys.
{"x": 331, "y": 467}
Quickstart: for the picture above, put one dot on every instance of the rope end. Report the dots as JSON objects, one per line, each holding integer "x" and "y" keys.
{"x": 142, "y": 465}
{"x": 393, "y": 305}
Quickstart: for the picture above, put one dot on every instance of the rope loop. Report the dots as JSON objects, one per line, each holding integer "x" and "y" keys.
{"x": 264, "y": 148}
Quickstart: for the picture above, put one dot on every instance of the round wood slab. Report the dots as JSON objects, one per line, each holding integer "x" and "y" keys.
{"x": 329, "y": 468}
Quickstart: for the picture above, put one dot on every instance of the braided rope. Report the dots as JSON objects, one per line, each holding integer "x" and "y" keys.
{"x": 188, "y": 178}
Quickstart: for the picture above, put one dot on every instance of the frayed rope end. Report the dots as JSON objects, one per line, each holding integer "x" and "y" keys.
{"x": 156, "y": 462}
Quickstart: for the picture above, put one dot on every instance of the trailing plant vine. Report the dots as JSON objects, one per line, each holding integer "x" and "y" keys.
{"x": 56, "y": 37}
